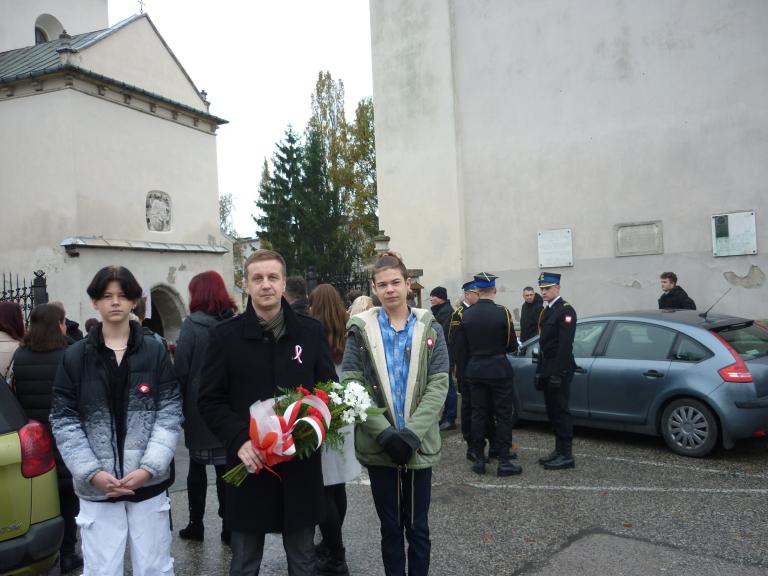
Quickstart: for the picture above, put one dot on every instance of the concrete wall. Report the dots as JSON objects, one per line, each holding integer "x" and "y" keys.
{"x": 17, "y": 19}
{"x": 150, "y": 66}
{"x": 576, "y": 116}
{"x": 82, "y": 166}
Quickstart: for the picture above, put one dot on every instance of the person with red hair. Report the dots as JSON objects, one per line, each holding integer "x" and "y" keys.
{"x": 11, "y": 333}
{"x": 209, "y": 304}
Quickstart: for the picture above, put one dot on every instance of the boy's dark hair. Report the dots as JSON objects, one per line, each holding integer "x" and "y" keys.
{"x": 118, "y": 274}
{"x": 528, "y": 289}
{"x": 671, "y": 276}
{"x": 389, "y": 260}
{"x": 140, "y": 309}
{"x": 296, "y": 287}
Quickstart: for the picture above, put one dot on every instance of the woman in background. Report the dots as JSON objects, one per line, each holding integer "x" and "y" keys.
{"x": 209, "y": 304}
{"x": 338, "y": 467}
{"x": 34, "y": 368}
{"x": 11, "y": 334}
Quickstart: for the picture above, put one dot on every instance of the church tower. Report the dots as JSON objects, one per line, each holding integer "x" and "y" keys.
{"x": 28, "y": 22}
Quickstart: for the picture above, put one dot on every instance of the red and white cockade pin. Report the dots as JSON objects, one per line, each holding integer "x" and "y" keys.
{"x": 430, "y": 343}
{"x": 568, "y": 319}
{"x": 143, "y": 388}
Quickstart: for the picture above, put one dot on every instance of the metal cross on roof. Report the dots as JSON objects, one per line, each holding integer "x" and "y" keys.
{"x": 141, "y": 6}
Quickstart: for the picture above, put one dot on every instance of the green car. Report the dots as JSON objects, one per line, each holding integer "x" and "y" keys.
{"x": 31, "y": 528}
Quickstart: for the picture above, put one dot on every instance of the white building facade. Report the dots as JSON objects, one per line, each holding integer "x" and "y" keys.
{"x": 109, "y": 157}
{"x": 604, "y": 140}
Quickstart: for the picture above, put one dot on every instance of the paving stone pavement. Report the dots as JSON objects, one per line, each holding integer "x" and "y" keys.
{"x": 630, "y": 508}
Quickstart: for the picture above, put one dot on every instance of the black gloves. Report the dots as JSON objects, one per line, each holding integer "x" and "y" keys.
{"x": 399, "y": 445}
{"x": 555, "y": 381}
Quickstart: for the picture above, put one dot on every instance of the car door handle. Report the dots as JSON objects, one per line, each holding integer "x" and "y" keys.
{"x": 653, "y": 374}
{"x": 580, "y": 370}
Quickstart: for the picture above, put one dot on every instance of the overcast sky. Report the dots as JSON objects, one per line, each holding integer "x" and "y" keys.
{"x": 258, "y": 61}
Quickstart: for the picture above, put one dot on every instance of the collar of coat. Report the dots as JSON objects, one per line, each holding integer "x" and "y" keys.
{"x": 368, "y": 323}
{"x": 252, "y": 330}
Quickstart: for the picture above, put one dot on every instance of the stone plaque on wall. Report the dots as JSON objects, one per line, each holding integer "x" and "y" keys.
{"x": 555, "y": 248}
{"x": 158, "y": 211}
{"x": 734, "y": 234}
{"x": 639, "y": 238}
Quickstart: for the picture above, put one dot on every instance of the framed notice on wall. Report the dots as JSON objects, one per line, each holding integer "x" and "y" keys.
{"x": 555, "y": 248}
{"x": 734, "y": 234}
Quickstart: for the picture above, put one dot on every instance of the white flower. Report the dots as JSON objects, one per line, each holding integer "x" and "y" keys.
{"x": 336, "y": 386}
{"x": 363, "y": 417}
{"x": 348, "y": 417}
{"x": 335, "y": 398}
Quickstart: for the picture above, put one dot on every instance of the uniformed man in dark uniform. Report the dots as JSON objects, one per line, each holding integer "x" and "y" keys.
{"x": 554, "y": 371}
{"x": 485, "y": 336}
{"x": 460, "y": 363}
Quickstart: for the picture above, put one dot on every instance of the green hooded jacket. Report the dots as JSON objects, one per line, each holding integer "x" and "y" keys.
{"x": 365, "y": 361}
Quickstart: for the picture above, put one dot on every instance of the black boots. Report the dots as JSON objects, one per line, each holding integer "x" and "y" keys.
{"x": 330, "y": 564}
{"x": 507, "y": 468}
{"x": 563, "y": 456}
{"x": 193, "y": 531}
{"x": 70, "y": 561}
{"x": 479, "y": 466}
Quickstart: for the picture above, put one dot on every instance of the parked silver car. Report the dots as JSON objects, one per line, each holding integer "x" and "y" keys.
{"x": 693, "y": 380}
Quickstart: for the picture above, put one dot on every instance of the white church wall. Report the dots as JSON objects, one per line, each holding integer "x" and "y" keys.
{"x": 581, "y": 119}
{"x": 17, "y": 19}
{"x": 138, "y": 154}
{"x": 137, "y": 56}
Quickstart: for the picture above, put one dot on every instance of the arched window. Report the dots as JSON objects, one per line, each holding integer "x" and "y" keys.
{"x": 47, "y": 28}
{"x": 40, "y": 36}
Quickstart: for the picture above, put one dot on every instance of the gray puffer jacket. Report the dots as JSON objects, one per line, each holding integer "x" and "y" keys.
{"x": 84, "y": 425}
{"x": 190, "y": 356}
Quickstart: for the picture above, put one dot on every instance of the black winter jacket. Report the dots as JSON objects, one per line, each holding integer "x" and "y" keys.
{"x": 529, "y": 318}
{"x": 245, "y": 364}
{"x": 190, "y": 357}
{"x": 84, "y": 426}
{"x": 677, "y": 299}
{"x": 33, "y": 375}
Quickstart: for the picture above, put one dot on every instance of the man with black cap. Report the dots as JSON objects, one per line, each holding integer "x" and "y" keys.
{"x": 554, "y": 370}
{"x": 486, "y": 334}
{"x": 460, "y": 363}
{"x": 442, "y": 311}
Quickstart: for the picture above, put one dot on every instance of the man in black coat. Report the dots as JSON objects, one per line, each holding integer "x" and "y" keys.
{"x": 249, "y": 357}
{"x": 296, "y": 294}
{"x": 442, "y": 311}
{"x": 530, "y": 313}
{"x": 554, "y": 370}
{"x": 674, "y": 297}
{"x": 485, "y": 336}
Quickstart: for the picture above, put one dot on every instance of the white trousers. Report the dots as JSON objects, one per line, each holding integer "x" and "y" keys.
{"x": 105, "y": 527}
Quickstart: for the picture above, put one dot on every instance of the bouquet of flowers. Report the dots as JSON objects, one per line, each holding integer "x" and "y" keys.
{"x": 296, "y": 423}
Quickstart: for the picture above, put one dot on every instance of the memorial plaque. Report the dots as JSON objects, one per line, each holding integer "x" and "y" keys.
{"x": 639, "y": 238}
{"x": 158, "y": 211}
{"x": 555, "y": 248}
{"x": 734, "y": 234}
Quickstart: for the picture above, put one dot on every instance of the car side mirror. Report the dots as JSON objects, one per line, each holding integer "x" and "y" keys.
{"x": 535, "y": 354}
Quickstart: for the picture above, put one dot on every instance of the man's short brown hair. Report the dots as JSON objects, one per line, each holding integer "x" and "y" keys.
{"x": 260, "y": 256}
{"x": 671, "y": 276}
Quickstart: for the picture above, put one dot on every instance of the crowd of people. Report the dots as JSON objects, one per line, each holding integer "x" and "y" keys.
{"x": 116, "y": 403}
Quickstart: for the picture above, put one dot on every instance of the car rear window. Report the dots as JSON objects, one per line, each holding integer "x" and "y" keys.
{"x": 11, "y": 415}
{"x": 749, "y": 340}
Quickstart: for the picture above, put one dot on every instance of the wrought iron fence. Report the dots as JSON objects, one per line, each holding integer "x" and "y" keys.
{"x": 27, "y": 295}
{"x": 343, "y": 281}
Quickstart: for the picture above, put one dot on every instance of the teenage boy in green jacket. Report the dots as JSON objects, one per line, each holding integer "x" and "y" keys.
{"x": 399, "y": 354}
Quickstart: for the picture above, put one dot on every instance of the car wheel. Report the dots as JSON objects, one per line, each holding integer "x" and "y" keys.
{"x": 689, "y": 427}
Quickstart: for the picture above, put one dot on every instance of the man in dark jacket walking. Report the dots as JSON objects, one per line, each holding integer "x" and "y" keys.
{"x": 529, "y": 314}
{"x": 674, "y": 297}
{"x": 442, "y": 311}
{"x": 248, "y": 358}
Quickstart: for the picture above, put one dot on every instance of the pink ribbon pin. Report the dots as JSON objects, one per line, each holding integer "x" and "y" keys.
{"x": 298, "y": 354}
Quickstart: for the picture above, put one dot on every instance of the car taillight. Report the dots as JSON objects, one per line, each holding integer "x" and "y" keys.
{"x": 36, "y": 449}
{"x": 736, "y": 372}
